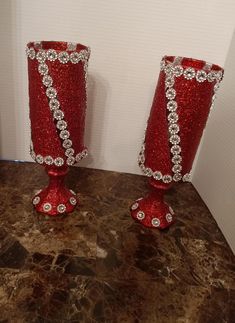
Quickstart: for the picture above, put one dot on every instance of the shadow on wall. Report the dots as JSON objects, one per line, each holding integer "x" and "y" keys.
{"x": 214, "y": 175}
{"x": 7, "y": 82}
{"x": 95, "y": 120}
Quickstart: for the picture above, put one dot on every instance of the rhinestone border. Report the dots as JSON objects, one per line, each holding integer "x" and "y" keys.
{"x": 172, "y": 71}
{"x": 58, "y": 161}
{"x": 52, "y": 55}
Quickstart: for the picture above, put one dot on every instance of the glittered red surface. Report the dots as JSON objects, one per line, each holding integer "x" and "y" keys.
{"x": 194, "y": 101}
{"x": 70, "y": 84}
{"x": 69, "y": 81}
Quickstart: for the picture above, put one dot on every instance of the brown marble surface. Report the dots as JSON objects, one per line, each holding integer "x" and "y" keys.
{"x": 97, "y": 265}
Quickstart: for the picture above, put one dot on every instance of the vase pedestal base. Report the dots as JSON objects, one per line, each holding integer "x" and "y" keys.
{"x": 56, "y": 199}
{"x": 152, "y": 212}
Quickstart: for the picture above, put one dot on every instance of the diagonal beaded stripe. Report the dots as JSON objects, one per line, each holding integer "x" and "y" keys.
{"x": 58, "y": 116}
{"x": 173, "y": 70}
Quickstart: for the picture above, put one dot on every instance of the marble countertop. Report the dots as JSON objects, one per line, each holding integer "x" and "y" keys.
{"x": 98, "y": 265}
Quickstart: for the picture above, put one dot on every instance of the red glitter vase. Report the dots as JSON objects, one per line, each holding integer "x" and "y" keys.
{"x": 184, "y": 96}
{"x": 57, "y": 73}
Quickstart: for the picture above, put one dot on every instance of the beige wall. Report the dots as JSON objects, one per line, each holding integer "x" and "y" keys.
{"x": 214, "y": 174}
{"x": 127, "y": 39}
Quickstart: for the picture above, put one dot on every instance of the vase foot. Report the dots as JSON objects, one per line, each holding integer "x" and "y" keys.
{"x": 152, "y": 212}
{"x": 54, "y": 202}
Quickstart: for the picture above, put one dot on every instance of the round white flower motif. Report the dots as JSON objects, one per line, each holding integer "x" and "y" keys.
{"x": 166, "y": 179}
{"x": 177, "y": 168}
{"x": 84, "y": 153}
{"x": 48, "y": 160}
{"x": 201, "y": 76}
{"x": 78, "y": 157}
{"x": 84, "y": 54}
{"x": 177, "y": 177}
{"x": 37, "y": 44}
{"x": 211, "y": 76}
{"x": 69, "y": 152}
{"x": 27, "y": 51}
{"x": 31, "y": 53}
{"x": 135, "y": 206}
{"x": 157, "y": 175}
{"x": 162, "y": 65}
{"x": 39, "y": 159}
{"x": 141, "y": 158}
{"x": 54, "y": 104}
{"x": 61, "y": 208}
{"x": 174, "y": 139}
{"x": 155, "y": 222}
{"x": 51, "y": 55}
{"x": 47, "y": 80}
{"x": 41, "y": 56}
{"x": 219, "y": 76}
{"x": 47, "y": 207}
{"x": 58, "y": 114}
{"x": 51, "y": 93}
{"x": 61, "y": 125}
{"x": 175, "y": 150}
{"x": 186, "y": 178}
{"x": 63, "y": 57}
{"x": 174, "y": 128}
{"x": 169, "y": 82}
{"x": 75, "y": 57}
{"x": 148, "y": 172}
{"x": 43, "y": 69}
{"x": 172, "y": 117}
{"x": 72, "y": 192}
{"x": 176, "y": 159}
{"x": 140, "y": 215}
{"x": 178, "y": 70}
{"x": 72, "y": 200}
{"x": 67, "y": 143}
{"x": 70, "y": 160}
{"x": 64, "y": 134}
{"x": 59, "y": 161}
{"x": 168, "y": 69}
{"x": 169, "y": 217}
{"x": 189, "y": 73}
{"x": 36, "y": 200}
{"x": 170, "y": 94}
{"x": 172, "y": 106}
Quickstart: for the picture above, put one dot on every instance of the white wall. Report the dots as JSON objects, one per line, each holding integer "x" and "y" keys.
{"x": 214, "y": 175}
{"x": 127, "y": 39}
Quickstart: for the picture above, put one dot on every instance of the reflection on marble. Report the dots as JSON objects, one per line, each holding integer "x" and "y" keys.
{"x": 97, "y": 265}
